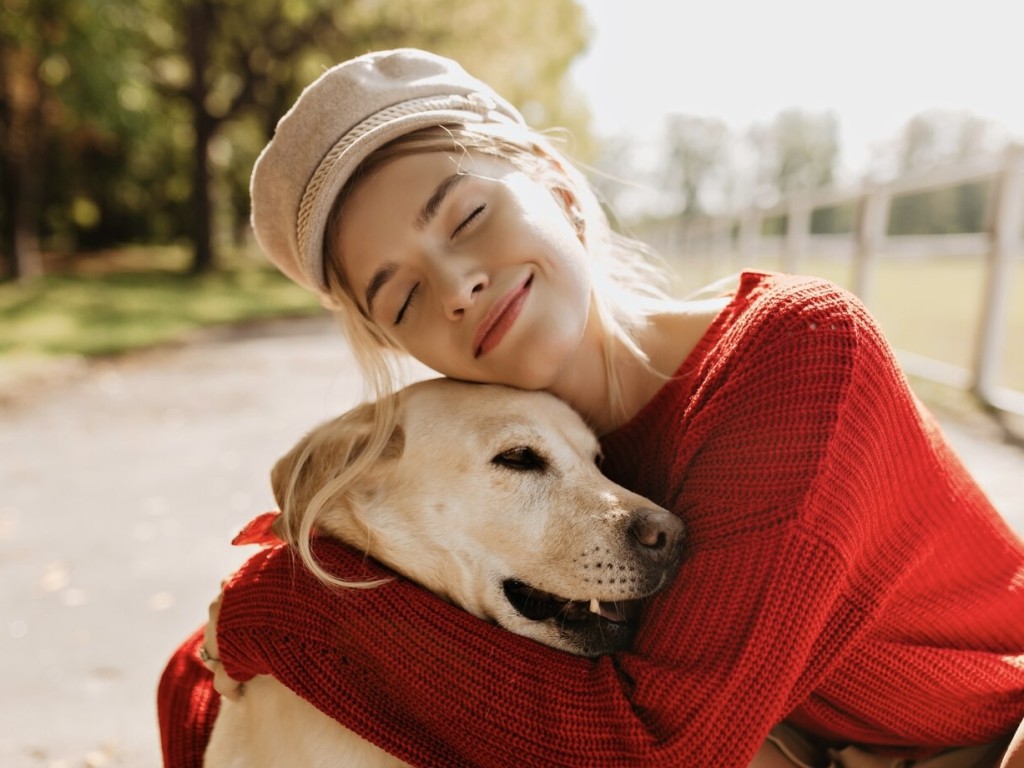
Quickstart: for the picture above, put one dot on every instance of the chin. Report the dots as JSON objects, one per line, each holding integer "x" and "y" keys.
{"x": 542, "y": 365}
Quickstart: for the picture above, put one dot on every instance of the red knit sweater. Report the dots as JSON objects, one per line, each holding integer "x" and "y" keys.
{"x": 844, "y": 572}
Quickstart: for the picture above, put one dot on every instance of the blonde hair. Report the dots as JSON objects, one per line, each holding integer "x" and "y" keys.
{"x": 628, "y": 283}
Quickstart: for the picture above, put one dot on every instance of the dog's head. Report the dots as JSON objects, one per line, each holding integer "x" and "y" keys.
{"x": 491, "y": 498}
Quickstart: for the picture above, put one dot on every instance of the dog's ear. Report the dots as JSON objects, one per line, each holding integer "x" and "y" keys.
{"x": 320, "y": 457}
{"x": 294, "y": 464}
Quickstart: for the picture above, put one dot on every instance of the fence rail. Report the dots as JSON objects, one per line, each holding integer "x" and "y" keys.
{"x": 740, "y": 239}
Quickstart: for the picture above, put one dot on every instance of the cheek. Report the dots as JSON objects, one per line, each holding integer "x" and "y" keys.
{"x": 580, "y": 282}
{"x": 569, "y": 261}
{"x": 571, "y": 281}
{"x": 432, "y": 345}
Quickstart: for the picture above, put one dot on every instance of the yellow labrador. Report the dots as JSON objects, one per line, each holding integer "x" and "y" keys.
{"x": 435, "y": 507}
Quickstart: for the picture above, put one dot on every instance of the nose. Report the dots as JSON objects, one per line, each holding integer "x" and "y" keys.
{"x": 658, "y": 533}
{"x": 458, "y": 288}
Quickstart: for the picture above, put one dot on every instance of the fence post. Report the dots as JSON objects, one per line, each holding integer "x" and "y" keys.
{"x": 872, "y": 222}
{"x": 798, "y": 229}
{"x": 749, "y": 245}
{"x": 1007, "y": 222}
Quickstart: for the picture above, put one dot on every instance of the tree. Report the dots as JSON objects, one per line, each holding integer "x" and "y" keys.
{"x": 24, "y": 40}
{"x": 931, "y": 139}
{"x": 941, "y": 136}
{"x": 238, "y": 64}
{"x": 140, "y": 119}
{"x": 797, "y": 152}
{"x": 697, "y": 156}
{"x": 67, "y": 136}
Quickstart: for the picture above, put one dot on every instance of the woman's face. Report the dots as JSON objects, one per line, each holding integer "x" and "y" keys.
{"x": 469, "y": 265}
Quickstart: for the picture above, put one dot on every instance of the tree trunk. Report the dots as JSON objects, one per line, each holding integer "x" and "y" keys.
{"x": 203, "y": 256}
{"x": 199, "y": 17}
{"x": 9, "y": 187}
{"x": 21, "y": 136}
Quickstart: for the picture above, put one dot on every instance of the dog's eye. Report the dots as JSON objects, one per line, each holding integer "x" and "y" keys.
{"x": 521, "y": 458}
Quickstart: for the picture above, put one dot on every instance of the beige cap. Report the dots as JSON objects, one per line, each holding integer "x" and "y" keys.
{"x": 341, "y": 118}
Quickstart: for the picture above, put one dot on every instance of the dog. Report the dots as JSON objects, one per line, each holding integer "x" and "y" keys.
{"x": 433, "y": 505}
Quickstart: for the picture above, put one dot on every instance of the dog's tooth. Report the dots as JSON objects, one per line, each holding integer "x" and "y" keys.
{"x": 595, "y": 605}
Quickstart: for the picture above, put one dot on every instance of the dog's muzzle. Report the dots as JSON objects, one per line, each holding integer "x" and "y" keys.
{"x": 619, "y": 576}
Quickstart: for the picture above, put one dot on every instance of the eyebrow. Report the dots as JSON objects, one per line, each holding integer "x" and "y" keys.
{"x": 378, "y": 281}
{"x": 425, "y": 216}
{"x": 430, "y": 208}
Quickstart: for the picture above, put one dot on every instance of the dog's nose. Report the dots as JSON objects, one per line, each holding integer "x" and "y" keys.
{"x": 659, "y": 533}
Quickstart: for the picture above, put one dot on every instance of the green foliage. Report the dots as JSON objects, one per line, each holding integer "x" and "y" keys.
{"x": 941, "y": 211}
{"x": 798, "y": 151}
{"x": 833, "y": 220}
{"x": 774, "y": 226}
{"x": 931, "y": 139}
{"x": 101, "y": 146}
{"x": 697, "y": 153}
{"x": 130, "y": 89}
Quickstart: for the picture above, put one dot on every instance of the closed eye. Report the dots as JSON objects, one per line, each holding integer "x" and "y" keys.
{"x": 408, "y": 303}
{"x": 469, "y": 220}
{"x": 522, "y": 458}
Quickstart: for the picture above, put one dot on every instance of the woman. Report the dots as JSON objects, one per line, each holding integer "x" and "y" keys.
{"x": 846, "y": 575}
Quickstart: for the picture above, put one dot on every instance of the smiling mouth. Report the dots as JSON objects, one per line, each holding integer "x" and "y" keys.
{"x": 501, "y": 317}
{"x": 538, "y": 605}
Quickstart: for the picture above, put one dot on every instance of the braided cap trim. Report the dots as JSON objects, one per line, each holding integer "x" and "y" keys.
{"x": 475, "y": 103}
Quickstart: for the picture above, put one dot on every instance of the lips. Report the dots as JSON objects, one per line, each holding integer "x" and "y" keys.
{"x": 538, "y": 605}
{"x": 500, "y": 319}
{"x": 586, "y": 628}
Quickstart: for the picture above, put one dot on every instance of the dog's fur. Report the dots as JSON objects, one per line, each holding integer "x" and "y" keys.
{"x": 487, "y": 496}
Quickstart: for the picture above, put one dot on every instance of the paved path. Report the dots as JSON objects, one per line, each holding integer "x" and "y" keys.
{"x": 122, "y": 490}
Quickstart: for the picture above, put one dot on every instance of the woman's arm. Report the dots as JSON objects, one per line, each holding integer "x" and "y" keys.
{"x": 397, "y": 654}
{"x": 436, "y": 686}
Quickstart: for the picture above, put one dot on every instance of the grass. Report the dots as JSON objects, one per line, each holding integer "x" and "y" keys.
{"x": 137, "y": 298}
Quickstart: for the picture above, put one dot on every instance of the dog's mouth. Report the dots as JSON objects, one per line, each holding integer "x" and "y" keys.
{"x": 537, "y": 605}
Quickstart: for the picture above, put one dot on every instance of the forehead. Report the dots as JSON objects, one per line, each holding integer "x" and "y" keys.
{"x": 483, "y": 415}
{"x": 396, "y": 190}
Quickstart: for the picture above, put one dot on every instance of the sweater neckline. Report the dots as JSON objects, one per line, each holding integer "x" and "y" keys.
{"x": 751, "y": 283}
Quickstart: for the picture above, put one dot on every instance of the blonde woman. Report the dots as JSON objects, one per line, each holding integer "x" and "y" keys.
{"x": 846, "y": 576}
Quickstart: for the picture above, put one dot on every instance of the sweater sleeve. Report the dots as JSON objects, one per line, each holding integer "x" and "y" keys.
{"x": 760, "y": 610}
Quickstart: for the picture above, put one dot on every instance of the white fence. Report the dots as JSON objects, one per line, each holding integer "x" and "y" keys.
{"x": 739, "y": 240}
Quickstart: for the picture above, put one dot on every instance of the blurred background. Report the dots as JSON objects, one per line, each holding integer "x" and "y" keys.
{"x": 876, "y": 143}
{"x": 727, "y": 134}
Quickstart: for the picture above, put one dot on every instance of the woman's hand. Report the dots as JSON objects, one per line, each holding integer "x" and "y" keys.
{"x": 210, "y": 654}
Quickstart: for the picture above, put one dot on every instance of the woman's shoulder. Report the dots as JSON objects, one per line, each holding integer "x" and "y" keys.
{"x": 805, "y": 327}
{"x": 788, "y": 324}
{"x": 782, "y": 296}
{"x": 784, "y": 350}
{"x": 778, "y": 310}
{"x": 775, "y": 331}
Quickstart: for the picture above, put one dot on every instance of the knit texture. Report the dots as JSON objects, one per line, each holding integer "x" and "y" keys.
{"x": 843, "y": 572}
{"x": 187, "y": 706}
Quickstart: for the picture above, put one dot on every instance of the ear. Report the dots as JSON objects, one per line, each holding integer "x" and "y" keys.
{"x": 572, "y": 211}
{"x": 571, "y": 205}
{"x": 322, "y": 456}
